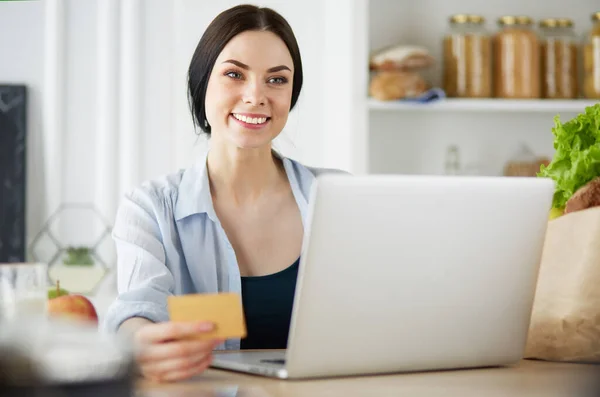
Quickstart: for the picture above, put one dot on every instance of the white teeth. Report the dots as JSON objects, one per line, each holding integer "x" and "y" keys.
{"x": 250, "y": 120}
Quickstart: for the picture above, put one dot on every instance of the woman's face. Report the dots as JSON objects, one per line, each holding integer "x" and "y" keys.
{"x": 250, "y": 90}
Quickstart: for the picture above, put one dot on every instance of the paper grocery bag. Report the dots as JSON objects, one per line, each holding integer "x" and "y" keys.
{"x": 565, "y": 323}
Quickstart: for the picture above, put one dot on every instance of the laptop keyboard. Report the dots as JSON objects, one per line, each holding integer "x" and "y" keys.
{"x": 274, "y": 361}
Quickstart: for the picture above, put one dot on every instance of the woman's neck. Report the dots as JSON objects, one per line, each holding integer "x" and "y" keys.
{"x": 243, "y": 175}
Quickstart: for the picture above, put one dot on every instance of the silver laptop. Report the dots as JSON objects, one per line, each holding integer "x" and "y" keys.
{"x": 411, "y": 273}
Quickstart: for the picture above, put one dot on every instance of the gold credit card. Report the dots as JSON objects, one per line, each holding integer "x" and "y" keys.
{"x": 223, "y": 310}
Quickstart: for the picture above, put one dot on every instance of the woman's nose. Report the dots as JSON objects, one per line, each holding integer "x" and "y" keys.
{"x": 254, "y": 93}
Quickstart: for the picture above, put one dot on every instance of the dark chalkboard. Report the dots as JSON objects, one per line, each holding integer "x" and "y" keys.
{"x": 13, "y": 133}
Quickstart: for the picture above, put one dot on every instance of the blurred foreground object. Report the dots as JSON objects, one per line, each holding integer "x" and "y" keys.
{"x": 46, "y": 357}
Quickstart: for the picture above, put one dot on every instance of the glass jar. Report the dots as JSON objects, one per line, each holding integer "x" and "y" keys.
{"x": 516, "y": 59}
{"x": 524, "y": 163}
{"x": 467, "y": 58}
{"x": 559, "y": 59}
{"x": 591, "y": 60}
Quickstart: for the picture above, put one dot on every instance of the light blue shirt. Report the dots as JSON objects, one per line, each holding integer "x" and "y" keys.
{"x": 169, "y": 241}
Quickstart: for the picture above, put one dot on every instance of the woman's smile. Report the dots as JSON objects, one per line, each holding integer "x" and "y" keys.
{"x": 251, "y": 120}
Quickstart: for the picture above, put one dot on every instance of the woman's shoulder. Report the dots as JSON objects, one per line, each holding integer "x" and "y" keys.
{"x": 317, "y": 171}
{"x": 312, "y": 171}
{"x": 176, "y": 195}
{"x": 156, "y": 195}
{"x": 161, "y": 187}
{"x": 305, "y": 175}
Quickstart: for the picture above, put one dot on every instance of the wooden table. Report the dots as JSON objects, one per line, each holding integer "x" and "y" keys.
{"x": 528, "y": 378}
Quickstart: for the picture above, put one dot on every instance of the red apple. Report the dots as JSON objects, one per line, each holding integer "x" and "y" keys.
{"x": 76, "y": 307}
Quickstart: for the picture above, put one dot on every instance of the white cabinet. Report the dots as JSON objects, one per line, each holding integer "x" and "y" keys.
{"x": 408, "y": 138}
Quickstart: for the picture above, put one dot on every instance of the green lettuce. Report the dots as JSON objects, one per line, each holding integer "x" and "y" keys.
{"x": 576, "y": 159}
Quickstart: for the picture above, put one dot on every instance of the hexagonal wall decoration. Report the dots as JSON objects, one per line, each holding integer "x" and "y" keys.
{"x": 75, "y": 243}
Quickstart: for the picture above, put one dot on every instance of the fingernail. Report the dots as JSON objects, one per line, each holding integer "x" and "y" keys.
{"x": 205, "y": 327}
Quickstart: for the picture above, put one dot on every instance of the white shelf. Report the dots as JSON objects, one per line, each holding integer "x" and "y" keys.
{"x": 486, "y": 105}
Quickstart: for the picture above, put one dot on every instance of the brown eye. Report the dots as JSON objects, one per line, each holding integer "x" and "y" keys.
{"x": 234, "y": 75}
{"x": 278, "y": 80}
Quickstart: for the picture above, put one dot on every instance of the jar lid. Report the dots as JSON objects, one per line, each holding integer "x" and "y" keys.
{"x": 565, "y": 22}
{"x": 515, "y": 20}
{"x": 466, "y": 18}
{"x": 459, "y": 18}
{"x": 596, "y": 16}
{"x": 524, "y": 20}
{"x": 549, "y": 23}
{"x": 476, "y": 19}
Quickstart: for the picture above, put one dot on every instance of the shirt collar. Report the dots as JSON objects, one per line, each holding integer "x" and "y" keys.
{"x": 194, "y": 195}
{"x": 194, "y": 192}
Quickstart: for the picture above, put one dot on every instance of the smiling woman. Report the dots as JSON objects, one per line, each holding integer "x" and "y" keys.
{"x": 250, "y": 88}
{"x": 233, "y": 222}
{"x": 239, "y": 44}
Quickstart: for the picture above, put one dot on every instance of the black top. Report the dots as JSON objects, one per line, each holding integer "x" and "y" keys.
{"x": 267, "y": 302}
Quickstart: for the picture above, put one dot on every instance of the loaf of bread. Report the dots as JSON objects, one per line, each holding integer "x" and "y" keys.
{"x": 401, "y": 58}
{"x": 389, "y": 86}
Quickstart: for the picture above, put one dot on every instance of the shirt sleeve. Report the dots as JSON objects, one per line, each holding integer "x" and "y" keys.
{"x": 143, "y": 279}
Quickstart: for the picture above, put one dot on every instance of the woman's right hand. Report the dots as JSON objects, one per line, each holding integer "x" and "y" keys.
{"x": 167, "y": 353}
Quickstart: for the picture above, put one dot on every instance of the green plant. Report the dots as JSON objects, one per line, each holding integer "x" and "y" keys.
{"x": 576, "y": 159}
{"x": 78, "y": 256}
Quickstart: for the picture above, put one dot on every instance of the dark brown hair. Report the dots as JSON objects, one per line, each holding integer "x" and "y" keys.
{"x": 223, "y": 28}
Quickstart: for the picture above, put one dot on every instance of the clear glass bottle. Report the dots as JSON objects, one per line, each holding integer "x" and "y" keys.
{"x": 452, "y": 164}
{"x": 591, "y": 60}
{"x": 467, "y": 57}
{"x": 516, "y": 59}
{"x": 559, "y": 69}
